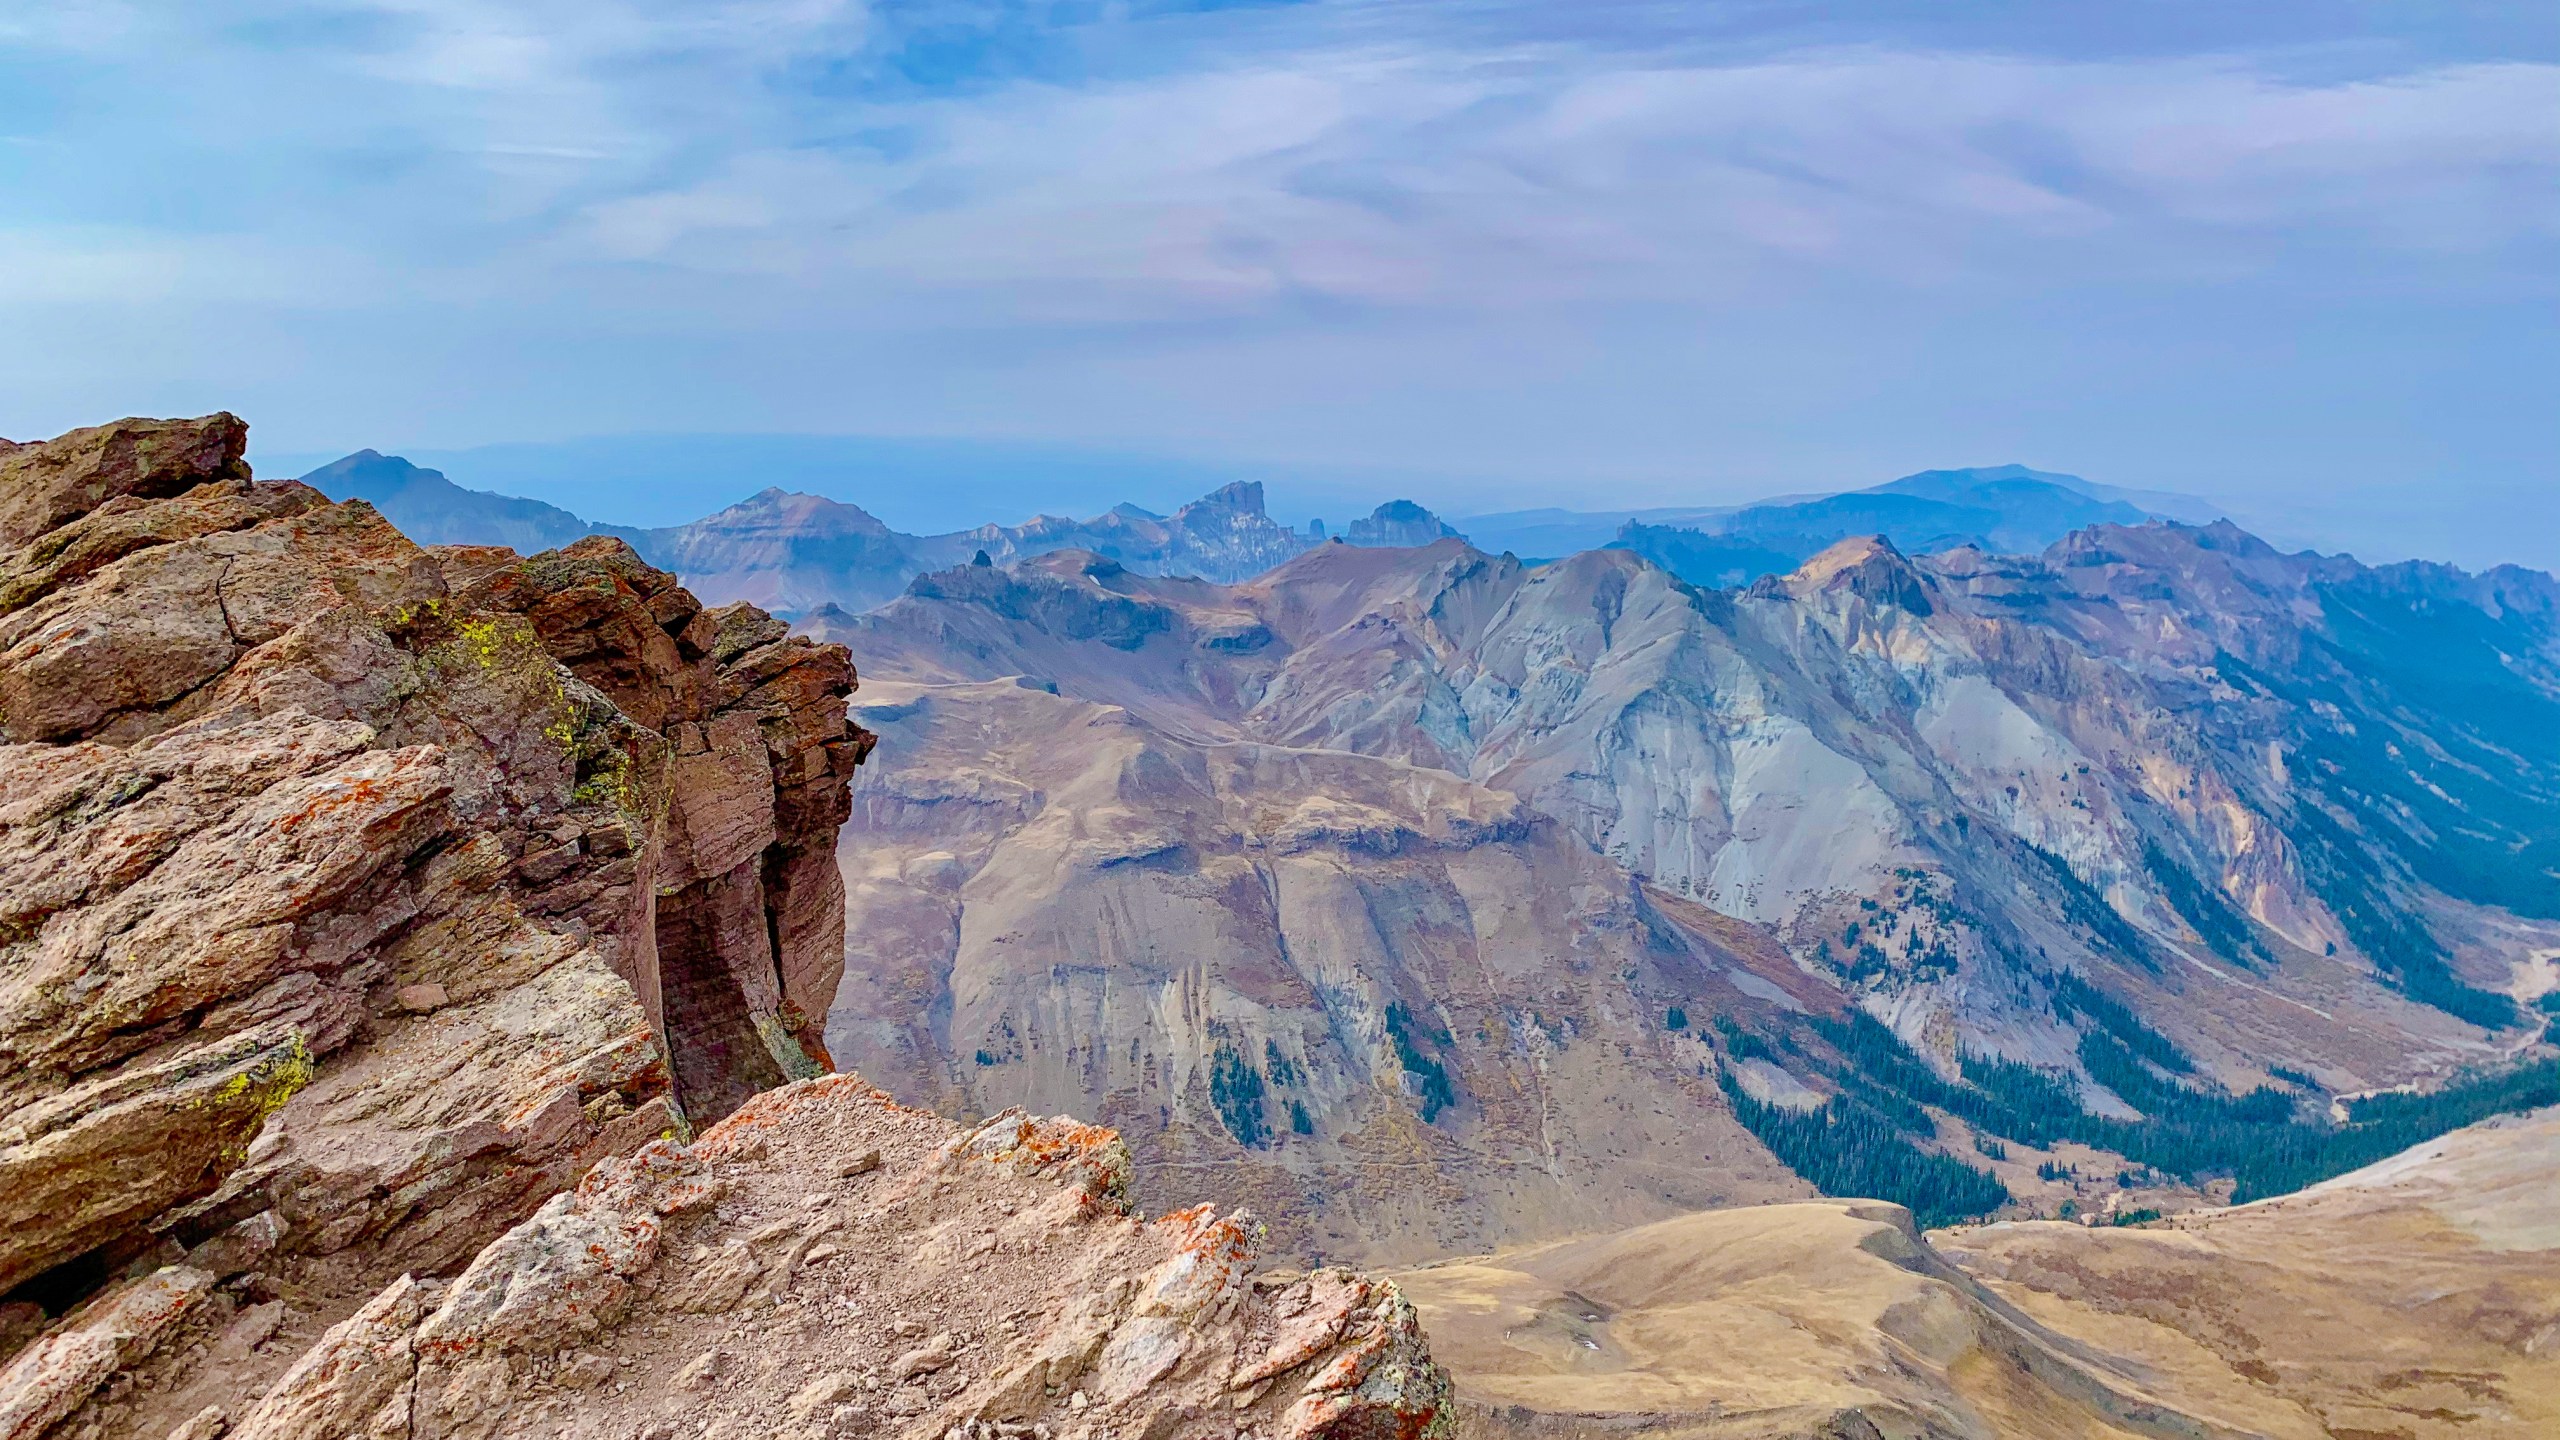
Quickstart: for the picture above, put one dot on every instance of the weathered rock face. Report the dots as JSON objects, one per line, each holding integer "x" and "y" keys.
{"x": 366, "y": 889}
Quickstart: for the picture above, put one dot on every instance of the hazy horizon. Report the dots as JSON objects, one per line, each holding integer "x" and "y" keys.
{"x": 2298, "y": 259}
{"x": 935, "y": 486}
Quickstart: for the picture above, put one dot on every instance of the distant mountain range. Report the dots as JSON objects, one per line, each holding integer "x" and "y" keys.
{"x": 2025, "y": 500}
{"x": 1981, "y": 840}
{"x": 795, "y": 553}
{"x": 1440, "y": 856}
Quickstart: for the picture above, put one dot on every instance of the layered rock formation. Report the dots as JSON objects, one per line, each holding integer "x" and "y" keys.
{"x": 359, "y": 902}
{"x": 1395, "y": 1012}
{"x": 361, "y": 892}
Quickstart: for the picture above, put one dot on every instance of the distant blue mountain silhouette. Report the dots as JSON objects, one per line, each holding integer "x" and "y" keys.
{"x": 432, "y": 510}
{"x": 2001, "y": 508}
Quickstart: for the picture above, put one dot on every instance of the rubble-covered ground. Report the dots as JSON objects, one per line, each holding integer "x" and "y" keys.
{"x": 824, "y": 1263}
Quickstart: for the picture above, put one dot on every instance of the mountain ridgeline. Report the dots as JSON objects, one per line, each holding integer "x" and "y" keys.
{"x": 2106, "y": 840}
{"x": 796, "y": 553}
{"x": 420, "y": 965}
{"x": 1983, "y": 802}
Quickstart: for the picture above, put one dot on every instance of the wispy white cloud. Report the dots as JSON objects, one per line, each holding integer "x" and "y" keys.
{"x": 1302, "y": 227}
{"x": 1400, "y": 170}
{"x": 1429, "y": 179}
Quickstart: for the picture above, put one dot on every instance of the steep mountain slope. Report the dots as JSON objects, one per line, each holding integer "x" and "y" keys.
{"x": 2006, "y": 757}
{"x": 2056, "y": 811}
{"x": 2412, "y": 1299}
{"x": 1378, "y": 1002}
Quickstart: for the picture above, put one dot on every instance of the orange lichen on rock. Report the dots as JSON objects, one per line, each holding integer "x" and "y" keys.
{"x": 1093, "y": 1157}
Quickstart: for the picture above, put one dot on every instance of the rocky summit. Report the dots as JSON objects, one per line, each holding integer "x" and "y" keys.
{"x": 378, "y": 922}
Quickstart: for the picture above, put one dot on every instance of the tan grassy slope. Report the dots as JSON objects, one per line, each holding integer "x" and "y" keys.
{"x": 2418, "y": 1297}
{"x": 2415, "y": 1299}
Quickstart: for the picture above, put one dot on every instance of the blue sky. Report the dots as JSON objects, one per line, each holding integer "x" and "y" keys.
{"x": 2298, "y": 257}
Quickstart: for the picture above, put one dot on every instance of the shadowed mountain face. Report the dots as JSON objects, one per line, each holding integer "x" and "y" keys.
{"x": 2280, "y": 809}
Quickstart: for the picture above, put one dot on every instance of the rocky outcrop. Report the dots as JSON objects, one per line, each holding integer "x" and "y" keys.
{"x": 360, "y": 892}
{"x": 980, "y": 1281}
{"x": 45, "y": 486}
{"x": 823, "y": 1263}
{"x": 376, "y": 922}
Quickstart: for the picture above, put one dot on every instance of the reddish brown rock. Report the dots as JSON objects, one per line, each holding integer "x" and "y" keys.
{"x": 43, "y": 487}
{"x": 369, "y": 887}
